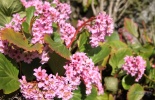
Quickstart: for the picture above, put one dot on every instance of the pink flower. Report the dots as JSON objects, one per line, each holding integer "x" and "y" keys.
{"x": 67, "y": 32}
{"x": 101, "y": 27}
{"x": 135, "y": 66}
{"x": 40, "y": 74}
{"x": 15, "y": 23}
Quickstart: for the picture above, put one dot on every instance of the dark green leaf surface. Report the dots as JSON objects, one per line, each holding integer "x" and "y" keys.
{"x": 127, "y": 81}
{"x": 56, "y": 63}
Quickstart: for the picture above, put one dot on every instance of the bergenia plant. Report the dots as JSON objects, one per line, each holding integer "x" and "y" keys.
{"x": 45, "y": 57}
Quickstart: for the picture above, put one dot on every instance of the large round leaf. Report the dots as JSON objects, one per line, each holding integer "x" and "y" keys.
{"x": 127, "y": 81}
{"x": 136, "y": 92}
{"x": 8, "y": 76}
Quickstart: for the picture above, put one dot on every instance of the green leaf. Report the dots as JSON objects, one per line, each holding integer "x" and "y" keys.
{"x": 57, "y": 37}
{"x": 94, "y": 95}
{"x": 80, "y": 94}
{"x": 111, "y": 84}
{"x": 25, "y": 27}
{"x": 105, "y": 96}
{"x": 8, "y": 76}
{"x": 151, "y": 73}
{"x": 131, "y": 27}
{"x": 9, "y": 7}
{"x": 56, "y": 63}
{"x": 127, "y": 81}
{"x": 136, "y": 92}
{"x": 29, "y": 14}
{"x": 117, "y": 59}
{"x": 115, "y": 45}
{"x": 111, "y": 97}
{"x": 19, "y": 40}
{"x": 4, "y": 19}
{"x": 77, "y": 94}
{"x": 146, "y": 51}
{"x": 104, "y": 52}
{"x": 58, "y": 47}
{"x": 114, "y": 37}
{"x": 83, "y": 38}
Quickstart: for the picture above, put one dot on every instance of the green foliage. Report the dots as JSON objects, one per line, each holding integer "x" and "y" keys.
{"x": 101, "y": 54}
{"x": 82, "y": 41}
{"x": 28, "y": 23}
{"x": 9, "y": 7}
{"x": 8, "y": 75}
{"x": 127, "y": 81}
{"x": 136, "y": 92}
{"x": 80, "y": 95}
{"x": 117, "y": 58}
{"x": 114, "y": 37}
{"x": 29, "y": 14}
{"x": 131, "y": 27}
{"x": 19, "y": 40}
{"x": 58, "y": 47}
{"x": 56, "y": 63}
{"x": 4, "y": 19}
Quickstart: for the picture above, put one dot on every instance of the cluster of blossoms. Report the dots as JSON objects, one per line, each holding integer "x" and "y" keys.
{"x": 100, "y": 27}
{"x": 47, "y": 87}
{"x": 47, "y": 15}
{"x": 44, "y": 17}
{"x": 80, "y": 68}
{"x": 135, "y": 66}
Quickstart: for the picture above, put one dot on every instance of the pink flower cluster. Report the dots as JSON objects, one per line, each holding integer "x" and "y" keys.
{"x": 100, "y": 27}
{"x": 48, "y": 15}
{"x": 45, "y": 16}
{"x": 47, "y": 87}
{"x": 135, "y": 66}
{"x": 15, "y": 23}
{"x": 80, "y": 68}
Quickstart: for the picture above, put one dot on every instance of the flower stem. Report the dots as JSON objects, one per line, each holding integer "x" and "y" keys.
{"x": 78, "y": 29}
{"x": 149, "y": 78}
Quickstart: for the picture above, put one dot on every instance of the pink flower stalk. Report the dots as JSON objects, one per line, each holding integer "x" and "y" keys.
{"x": 101, "y": 27}
{"x": 135, "y": 66}
{"x": 67, "y": 32}
{"x": 82, "y": 67}
{"x": 46, "y": 87}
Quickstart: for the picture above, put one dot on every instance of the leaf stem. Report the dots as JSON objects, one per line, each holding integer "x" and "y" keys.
{"x": 149, "y": 78}
{"x": 78, "y": 29}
